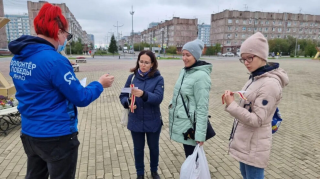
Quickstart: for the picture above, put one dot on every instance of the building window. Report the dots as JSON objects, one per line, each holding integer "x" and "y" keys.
{"x": 279, "y": 36}
{"x": 236, "y": 35}
{"x": 267, "y": 22}
{"x": 266, "y": 36}
{"x": 273, "y": 29}
{"x": 274, "y": 22}
{"x": 261, "y": 22}
{"x": 243, "y": 36}
{"x": 250, "y": 21}
{"x": 294, "y": 30}
{"x": 255, "y": 29}
{"x": 288, "y": 29}
{"x": 295, "y": 23}
{"x": 266, "y": 29}
{"x": 306, "y": 24}
{"x": 236, "y": 28}
{"x": 229, "y": 27}
{"x": 237, "y": 21}
{"x": 289, "y": 23}
{"x": 301, "y": 23}
{"x": 279, "y": 29}
{"x": 244, "y": 21}
{"x": 280, "y": 22}
{"x": 249, "y": 29}
{"x": 243, "y": 28}
{"x": 315, "y": 24}
{"x": 229, "y": 21}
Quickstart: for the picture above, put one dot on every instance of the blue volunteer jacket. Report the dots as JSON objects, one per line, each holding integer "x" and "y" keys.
{"x": 48, "y": 91}
{"x": 147, "y": 116}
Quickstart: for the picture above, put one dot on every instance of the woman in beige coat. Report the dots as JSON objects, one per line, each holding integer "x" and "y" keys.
{"x": 251, "y": 137}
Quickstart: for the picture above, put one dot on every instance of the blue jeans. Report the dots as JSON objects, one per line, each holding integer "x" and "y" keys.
{"x": 251, "y": 172}
{"x": 54, "y": 156}
{"x": 138, "y": 144}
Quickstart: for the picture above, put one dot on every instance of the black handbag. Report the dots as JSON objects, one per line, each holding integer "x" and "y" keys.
{"x": 190, "y": 133}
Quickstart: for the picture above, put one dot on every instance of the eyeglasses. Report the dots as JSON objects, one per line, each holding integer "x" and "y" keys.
{"x": 69, "y": 37}
{"x": 248, "y": 59}
{"x": 142, "y": 62}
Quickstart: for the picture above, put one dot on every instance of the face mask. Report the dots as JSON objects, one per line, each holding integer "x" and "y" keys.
{"x": 61, "y": 47}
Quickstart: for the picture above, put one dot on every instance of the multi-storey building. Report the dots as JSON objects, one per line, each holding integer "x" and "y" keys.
{"x": 152, "y": 24}
{"x": 3, "y": 35}
{"x": 231, "y": 28}
{"x": 204, "y": 33}
{"x": 18, "y": 26}
{"x": 174, "y": 32}
{"x": 91, "y": 38}
{"x": 74, "y": 26}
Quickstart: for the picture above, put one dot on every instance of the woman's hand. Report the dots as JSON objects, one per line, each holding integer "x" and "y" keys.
{"x": 134, "y": 107}
{"x": 228, "y": 97}
{"x": 200, "y": 143}
{"x": 136, "y": 92}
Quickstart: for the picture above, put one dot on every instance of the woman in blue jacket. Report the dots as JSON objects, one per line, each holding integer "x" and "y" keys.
{"x": 146, "y": 119}
{"x": 49, "y": 92}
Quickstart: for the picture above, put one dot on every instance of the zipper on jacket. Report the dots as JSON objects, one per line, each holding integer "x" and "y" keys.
{"x": 176, "y": 103}
{"x": 235, "y": 123}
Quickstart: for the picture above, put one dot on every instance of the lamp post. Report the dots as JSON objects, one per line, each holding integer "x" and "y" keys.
{"x": 162, "y": 33}
{"x": 132, "y": 12}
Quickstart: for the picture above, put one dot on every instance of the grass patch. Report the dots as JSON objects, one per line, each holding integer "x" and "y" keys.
{"x": 168, "y": 58}
{"x": 72, "y": 58}
{"x": 6, "y": 56}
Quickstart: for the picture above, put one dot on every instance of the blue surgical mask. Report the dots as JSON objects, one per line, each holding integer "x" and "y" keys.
{"x": 61, "y": 47}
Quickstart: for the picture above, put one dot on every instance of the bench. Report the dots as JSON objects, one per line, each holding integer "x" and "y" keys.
{"x": 75, "y": 68}
{"x": 9, "y": 119}
{"x": 81, "y": 61}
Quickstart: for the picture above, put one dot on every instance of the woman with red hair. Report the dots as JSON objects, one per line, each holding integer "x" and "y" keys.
{"x": 49, "y": 93}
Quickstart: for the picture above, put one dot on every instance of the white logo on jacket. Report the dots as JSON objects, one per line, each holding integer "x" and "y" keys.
{"x": 68, "y": 77}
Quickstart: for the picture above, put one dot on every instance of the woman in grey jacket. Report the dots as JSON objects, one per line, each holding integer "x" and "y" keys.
{"x": 251, "y": 137}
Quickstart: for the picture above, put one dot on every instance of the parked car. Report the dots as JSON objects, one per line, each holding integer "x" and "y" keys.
{"x": 228, "y": 54}
{"x": 238, "y": 54}
{"x": 219, "y": 54}
{"x": 131, "y": 52}
{"x": 125, "y": 51}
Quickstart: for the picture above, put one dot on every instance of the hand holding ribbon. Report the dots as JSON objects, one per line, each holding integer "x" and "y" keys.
{"x": 228, "y": 96}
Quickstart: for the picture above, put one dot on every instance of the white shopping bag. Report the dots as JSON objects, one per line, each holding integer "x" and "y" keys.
{"x": 124, "y": 117}
{"x": 192, "y": 169}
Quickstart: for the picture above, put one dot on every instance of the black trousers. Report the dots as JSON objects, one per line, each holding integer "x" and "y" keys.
{"x": 54, "y": 156}
{"x": 188, "y": 149}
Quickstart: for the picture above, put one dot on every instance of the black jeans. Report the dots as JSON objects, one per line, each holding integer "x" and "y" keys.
{"x": 54, "y": 156}
{"x": 153, "y": 143}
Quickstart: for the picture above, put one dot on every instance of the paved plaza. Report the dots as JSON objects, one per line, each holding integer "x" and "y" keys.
{"x": 106, "y": 149}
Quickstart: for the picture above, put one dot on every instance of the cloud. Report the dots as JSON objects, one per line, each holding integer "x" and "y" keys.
{"x": 99, "y": 17}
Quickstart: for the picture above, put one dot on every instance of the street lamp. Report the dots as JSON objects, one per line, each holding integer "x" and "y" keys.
{"x": 132, "y": 12}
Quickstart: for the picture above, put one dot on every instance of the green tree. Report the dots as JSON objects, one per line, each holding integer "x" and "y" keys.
{"x": 210, "y": 50}
{"x": 171, "y": 50}
{"x": 113, "y": 46}
{"x": 77, "y": 47}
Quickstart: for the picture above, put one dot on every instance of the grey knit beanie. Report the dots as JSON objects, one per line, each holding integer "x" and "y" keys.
{"x": 195, "y": 48}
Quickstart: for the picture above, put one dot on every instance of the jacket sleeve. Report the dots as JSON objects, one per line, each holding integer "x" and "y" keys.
{"x": 63, "y": 78}
{"x": 124, "y": 97}
{"x": 156, "y": 96}
{"x": 201, "y": 95}
{"x": 262, "y": 108}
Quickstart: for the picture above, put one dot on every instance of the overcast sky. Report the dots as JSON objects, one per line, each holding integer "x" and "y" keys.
{"x": 98, "y": 17}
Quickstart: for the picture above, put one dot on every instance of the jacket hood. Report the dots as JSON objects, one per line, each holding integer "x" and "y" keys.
{"x": 273, "y": 71}
{"x": 201, "y": 65}
{"x": 27, "y": 45}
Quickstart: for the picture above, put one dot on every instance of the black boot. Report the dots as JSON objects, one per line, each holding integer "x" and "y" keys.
{"x": 140, "y": 177}
{"x": 155, "y": 175}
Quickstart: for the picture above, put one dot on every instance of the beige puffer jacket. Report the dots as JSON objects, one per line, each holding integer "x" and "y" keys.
{"x": 251, "y": 139}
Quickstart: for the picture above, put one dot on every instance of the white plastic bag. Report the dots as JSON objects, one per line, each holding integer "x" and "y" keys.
{"x": 192, "y": 169}
{"x": 124, "y": 118}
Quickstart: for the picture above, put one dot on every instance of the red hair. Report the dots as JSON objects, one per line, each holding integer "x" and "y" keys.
{"x": 49, "y": 20}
